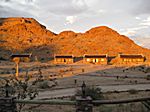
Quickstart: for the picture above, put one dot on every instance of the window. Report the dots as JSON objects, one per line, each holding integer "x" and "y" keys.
{"x": 70, "y": 59}
{"x": 97, "y": 60}
{"x": 124, "y": 60}
{"x": 94, "y": 60}
{"x": 59, "y": 60}
{"x": 139, "y": 60}
{"x": 102, "y": 59}
{"x": 134, "y": 60}
{"x": 130, "y": 60}
{"x": 88, "y": 59}
{"x": 65, "y": 60}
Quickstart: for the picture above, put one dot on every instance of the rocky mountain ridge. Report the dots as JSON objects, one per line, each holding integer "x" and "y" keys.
{"x": 21, "y": 35}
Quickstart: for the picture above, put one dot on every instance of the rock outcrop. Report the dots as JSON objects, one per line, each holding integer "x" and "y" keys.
{"x": 28, "y": 35}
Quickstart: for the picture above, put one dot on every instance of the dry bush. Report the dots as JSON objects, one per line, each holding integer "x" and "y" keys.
{"x": 133, "y": 91}
{"x": 43, "y": 85}
{"x": 93, "y": 92}
{"x": 148, "y": 77}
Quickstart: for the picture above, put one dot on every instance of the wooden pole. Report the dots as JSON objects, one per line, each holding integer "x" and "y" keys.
{"x": 17, "y": 69}
{"x": 129, "y": 100}
{"x": 17, "y": 60}
{"x": 49, "y": 102}
{"x": 95, "y": 102}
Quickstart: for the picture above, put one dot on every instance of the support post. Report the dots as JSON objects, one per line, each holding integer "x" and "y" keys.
{"x": 84, "y": 104}
{"x": 17, "y": 69}
{"x": 7, "y": 104}
{"x": 7, "y": 90}
{"x": 17, "y": 61}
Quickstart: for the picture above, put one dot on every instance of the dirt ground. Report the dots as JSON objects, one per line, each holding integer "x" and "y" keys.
{"x": 73, "y": 75}
{"x": 128, "y": 107}
{"x": 92, "y": 74}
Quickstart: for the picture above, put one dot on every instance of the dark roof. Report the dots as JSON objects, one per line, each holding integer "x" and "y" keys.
{"x": 20, "y": 55}
{"x": 64, "y": 56}
{"x": 96, "y": 56}
{"x": 131, "y": 56}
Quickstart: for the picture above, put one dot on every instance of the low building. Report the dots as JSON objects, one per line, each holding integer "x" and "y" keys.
{"x": 21, "y": 57}
{"x": 95, "y": 59}
{"x": 63, "y": 59}
{"x": 131, "y": 58}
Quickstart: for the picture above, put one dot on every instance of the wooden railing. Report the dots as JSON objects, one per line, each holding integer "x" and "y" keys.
{"x": 94, "y": 102}
{"x": 85, "y": 104}
{"x": 49, "y": 102}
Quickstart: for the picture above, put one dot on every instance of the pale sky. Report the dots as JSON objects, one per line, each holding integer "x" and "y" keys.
{"x": 128, "y": 17}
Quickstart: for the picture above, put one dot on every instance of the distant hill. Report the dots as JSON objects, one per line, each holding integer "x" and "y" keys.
{"x": 28, "y": 35}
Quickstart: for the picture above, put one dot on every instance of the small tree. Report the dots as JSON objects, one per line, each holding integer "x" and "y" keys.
{"x": 24, "y": 88}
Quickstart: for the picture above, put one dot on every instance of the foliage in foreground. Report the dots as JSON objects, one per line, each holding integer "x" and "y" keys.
{"x": 93, "y": 92}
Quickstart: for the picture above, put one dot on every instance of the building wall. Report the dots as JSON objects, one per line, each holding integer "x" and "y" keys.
{"x": 63, "y": 60}
{"x": 131, "y": 60}
{"x": 21, "y": 59}
{"x": 95, "y": 60}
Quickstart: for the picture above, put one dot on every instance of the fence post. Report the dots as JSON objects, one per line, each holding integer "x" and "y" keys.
{"x": 84, "y": 103}
{"x": 7, "y": 104}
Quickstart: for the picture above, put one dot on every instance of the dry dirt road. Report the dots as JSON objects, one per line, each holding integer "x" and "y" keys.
{"x": 71, "y": 91}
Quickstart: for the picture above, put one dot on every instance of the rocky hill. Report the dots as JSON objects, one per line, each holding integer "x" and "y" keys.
{"x": 27, "y": 35}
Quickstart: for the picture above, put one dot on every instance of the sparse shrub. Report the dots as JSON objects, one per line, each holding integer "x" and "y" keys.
{"x": 116, "y": 91}
{"x": 104, "y": 108}
{"x": 43, "y": 85}
{"x": 1, "y": 58}
{"x": 61, "y": 71}
{"x": 28, "y": 21}
{"x": 148, "y": 77}
{"x": 147, "y": 90}
{"x": 42, "y": 59}
{"x": 93, "y": 92}
{"x": 147, "y": 70}
{"x": 70, "y": 69}
{"x": 5, "y": 72}
{"x": 133, "y": 91}
{"x": 2, "y": 72}
{"x": 21, "y": 89}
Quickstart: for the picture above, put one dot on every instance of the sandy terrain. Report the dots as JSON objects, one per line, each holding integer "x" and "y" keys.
{"x": 109, "y": 78}
{"x": 130, "y": 107}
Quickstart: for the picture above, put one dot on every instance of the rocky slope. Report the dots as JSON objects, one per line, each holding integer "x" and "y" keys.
{"x": 27, "y": 35}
